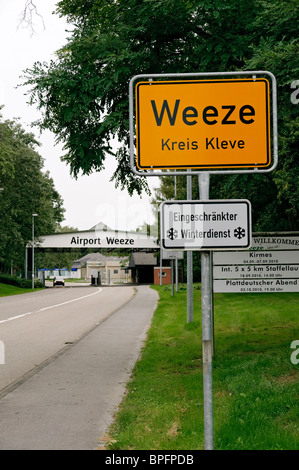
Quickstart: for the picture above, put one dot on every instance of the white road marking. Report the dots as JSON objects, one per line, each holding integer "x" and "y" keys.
{"x": 15, "y": 318}
{"x": 51, "y": 306}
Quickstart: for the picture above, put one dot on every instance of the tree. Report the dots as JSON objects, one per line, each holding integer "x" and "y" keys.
{"x": 58, "y": 258}
{"x": 274, "y": 197}
{"x": 27, "y": 190}
{"x": 83, "y": 95}
{"x": 278, "y": 51}
{"x": 27, "y": 16}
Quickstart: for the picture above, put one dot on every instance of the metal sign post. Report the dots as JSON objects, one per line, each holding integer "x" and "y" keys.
{"x": 189, "y": 261}
{"x": 172, "y": 279}
{"x": 206, "y": 225}
{"x": 207, "y": 343}
{"x": 208, "y": 123}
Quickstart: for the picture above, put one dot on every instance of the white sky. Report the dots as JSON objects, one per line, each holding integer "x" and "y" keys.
{"x": 89, "y": 199}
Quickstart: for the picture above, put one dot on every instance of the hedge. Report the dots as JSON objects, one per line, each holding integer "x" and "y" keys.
{"x": 19, "y": 282}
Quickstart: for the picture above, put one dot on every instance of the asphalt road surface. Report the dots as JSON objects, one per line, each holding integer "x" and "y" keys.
{"x": 68, "y": 355}
{"x": 34, "y": 327}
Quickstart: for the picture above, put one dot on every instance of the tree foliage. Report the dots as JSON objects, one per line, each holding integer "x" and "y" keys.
{"x": 27, "y": 190}
{"x": 274, "y": 197}
{"x": 277, "y": 51}
{"x": 83, "y": 95}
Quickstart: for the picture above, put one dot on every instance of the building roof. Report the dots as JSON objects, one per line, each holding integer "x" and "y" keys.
{"x": 142, "y": 259}
{"x": 100, "y": 226}
{"x": 95, "y": 257}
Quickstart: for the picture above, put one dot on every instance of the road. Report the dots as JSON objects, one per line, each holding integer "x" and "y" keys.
{"x": 34, "y": 327}
{"x": 58, "y": 396}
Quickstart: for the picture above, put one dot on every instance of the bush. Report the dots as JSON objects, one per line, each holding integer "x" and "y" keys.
{"x": 18, "y": 281}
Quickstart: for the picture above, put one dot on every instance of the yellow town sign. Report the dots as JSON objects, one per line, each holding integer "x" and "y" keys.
{"x": 202, "y": 124}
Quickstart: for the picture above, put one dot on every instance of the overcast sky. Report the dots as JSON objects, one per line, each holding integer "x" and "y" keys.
{"x": 89, "y": 199}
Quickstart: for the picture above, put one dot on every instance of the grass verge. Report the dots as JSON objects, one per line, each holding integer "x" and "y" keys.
{"x": 255, "y": 384}
{"x": 7, "y": 289}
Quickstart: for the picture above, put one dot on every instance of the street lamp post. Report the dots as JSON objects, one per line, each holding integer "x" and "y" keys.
{"x": 33, "y": 215}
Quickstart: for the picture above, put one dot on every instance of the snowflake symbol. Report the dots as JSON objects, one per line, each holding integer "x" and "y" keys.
{"x": 172, "y": 234}
{"x": 239, "y": 233}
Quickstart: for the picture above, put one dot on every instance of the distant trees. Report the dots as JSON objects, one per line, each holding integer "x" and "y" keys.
{"x": 58, "y": 258}
{"x": 27, "y": 190}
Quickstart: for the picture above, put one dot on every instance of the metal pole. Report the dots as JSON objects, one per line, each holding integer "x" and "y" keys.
{"x": 176, "y": 275}
{"x": 212, "y": 303}
{"x": 176, "y": 260}
{"x": 189, "y": 262}
{"x": 161, "y": 267}
{"x": 172, "y": 280}
{"x": 26, "y": 261}
{"x": 32, "y": 275}
{"x": 207, "y": 346}
{"x": 33, "y": 215}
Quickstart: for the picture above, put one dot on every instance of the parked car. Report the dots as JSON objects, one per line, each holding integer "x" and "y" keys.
{"x": 58, "y": 281}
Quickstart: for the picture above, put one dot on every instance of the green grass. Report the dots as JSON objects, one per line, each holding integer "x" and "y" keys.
{"x": 7, "y": 289}
{"x": 255, "y": 385}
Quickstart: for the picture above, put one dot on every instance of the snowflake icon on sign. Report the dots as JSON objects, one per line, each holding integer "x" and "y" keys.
{"x": 239, "y": 233}
{"x": 172, "y": 233}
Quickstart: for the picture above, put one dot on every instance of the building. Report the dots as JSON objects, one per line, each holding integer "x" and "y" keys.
{"x": 142, "y": 267}
{"x": 166, "y": 275}
{"x": 112, "y": 269}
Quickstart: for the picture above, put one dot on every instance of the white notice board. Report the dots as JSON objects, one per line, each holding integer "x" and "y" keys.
{"x": 271, "y": 265}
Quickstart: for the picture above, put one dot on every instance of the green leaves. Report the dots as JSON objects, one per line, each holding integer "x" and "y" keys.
{"x": 83, "y": 95}
{"x": 27, "y": 190}
{"x": 124, "y": 177}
